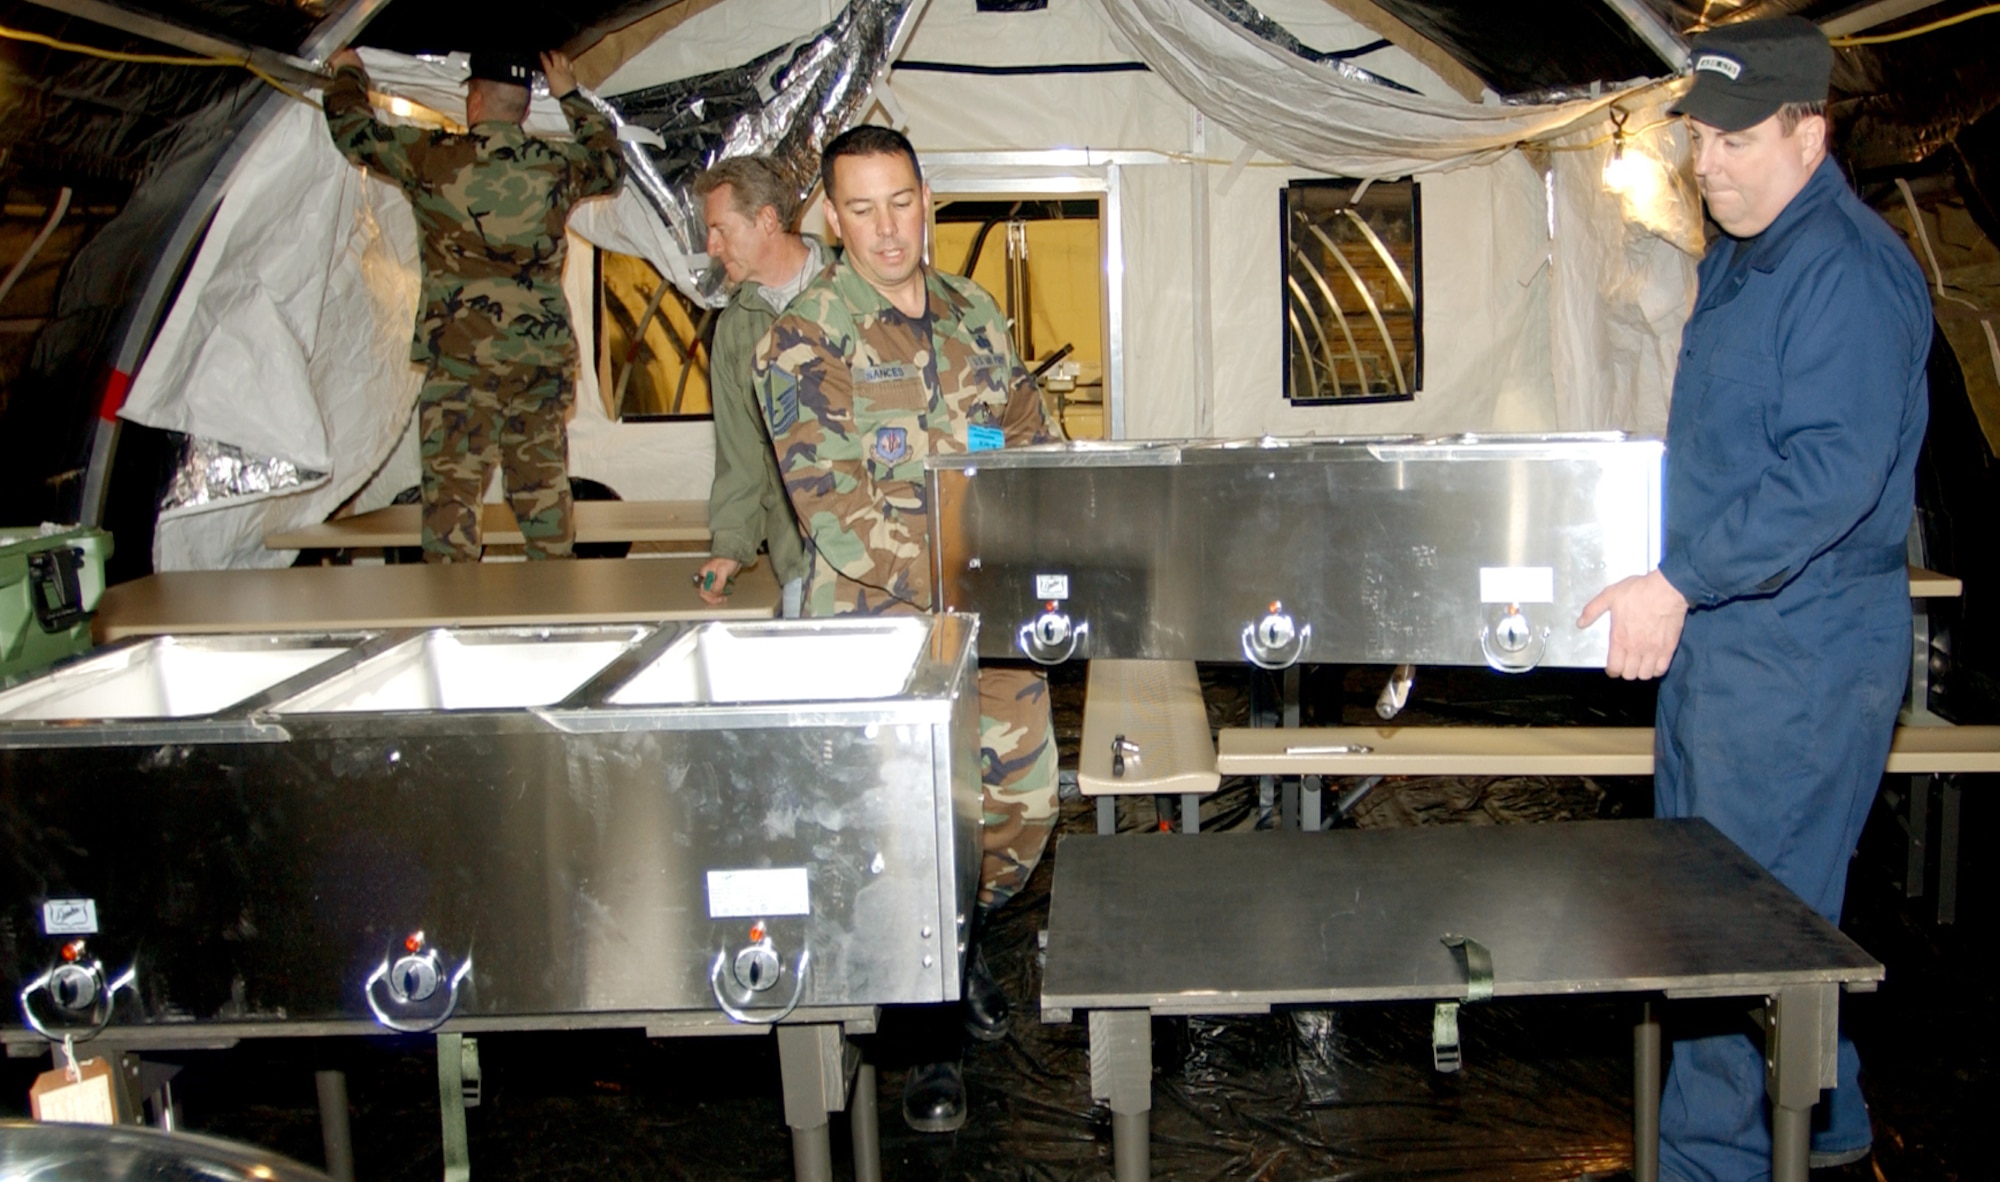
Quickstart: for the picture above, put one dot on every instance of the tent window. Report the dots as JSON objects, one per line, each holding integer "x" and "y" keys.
{"x": 652, "y": 343}
{"x": 1353, "y": 293}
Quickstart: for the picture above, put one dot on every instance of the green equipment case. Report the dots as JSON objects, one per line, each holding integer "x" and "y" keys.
{"x": 50, "y": 581}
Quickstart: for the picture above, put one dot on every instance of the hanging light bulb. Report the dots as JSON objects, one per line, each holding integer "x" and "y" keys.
{"x": 1622, "y": 173}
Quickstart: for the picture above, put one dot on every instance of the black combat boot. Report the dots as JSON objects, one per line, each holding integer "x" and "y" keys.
{"x": 934, "y": 1098}
{"x": 987, "y": 1010}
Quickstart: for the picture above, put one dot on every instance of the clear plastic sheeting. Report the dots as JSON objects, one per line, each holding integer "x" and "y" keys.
{"x": 786, "y": 103}
{"x": 210, "y": 471}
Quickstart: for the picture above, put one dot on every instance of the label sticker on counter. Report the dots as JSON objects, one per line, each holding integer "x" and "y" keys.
{"x": 751, "y": 894}
{"x": 69, "y": 917}
{"x": 1051, "y": 586}
{"x": 1517, "y": 584}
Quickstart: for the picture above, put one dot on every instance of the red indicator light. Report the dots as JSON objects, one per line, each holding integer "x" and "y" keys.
{"x": 72, "y": 951}
{"x": 757, "y": 931}
{"x": 414, "y": 941}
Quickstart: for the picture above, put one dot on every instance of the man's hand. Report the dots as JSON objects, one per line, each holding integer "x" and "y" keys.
{"x": 1646, "y": 618}
{"x": 345, "y": 58}
{"x": 556, "y": 68}
{"x": 712, "y": 581}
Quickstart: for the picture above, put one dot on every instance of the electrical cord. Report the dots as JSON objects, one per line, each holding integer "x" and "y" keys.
{"x": 813, "y": 545}
{"x": 1920, "y": 30}
{"x": 145, "y": 59}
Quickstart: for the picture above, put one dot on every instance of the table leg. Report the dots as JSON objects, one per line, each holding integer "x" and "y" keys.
{"x": 1916, "y": 862}
{"x": 1107, "y": 815}
{"x": 864, "y": 1125}
{"x": 1801, "y": 1056}
{"x": 1951, "y": 801}
{"x": 1121, "y": 1076}
{"x": 335, "y": 1135}
{"x": 1190, "y": 812}
{"x": 1646, "y": 1096}
{"x": 451, "y": 1107}
{"x": 812, "y": 1061}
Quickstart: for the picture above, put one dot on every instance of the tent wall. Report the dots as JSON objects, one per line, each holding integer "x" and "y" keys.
{"x": 1515, "y": 337}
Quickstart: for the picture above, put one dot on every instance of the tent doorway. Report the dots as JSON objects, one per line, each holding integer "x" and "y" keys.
{"x": 1040, "y": 256}
{"x": 1042, "y": 231}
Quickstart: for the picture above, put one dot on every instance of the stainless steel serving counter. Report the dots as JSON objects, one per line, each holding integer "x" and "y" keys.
{"x": 678, "y": 826}
{"x": 1463, "y": 550}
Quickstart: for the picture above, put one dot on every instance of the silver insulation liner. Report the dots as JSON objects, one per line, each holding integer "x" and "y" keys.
{"x": 212, "y": 471}
{"x": 1248, "y": 17}
{"x": 786, "y": 104}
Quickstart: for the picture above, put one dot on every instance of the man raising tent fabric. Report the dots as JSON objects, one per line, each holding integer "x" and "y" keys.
{"x": 1780, "y": 613}
{"x": 749, "y": 208}
{"x": 879, "y": 363}
{"x": 492, "y": 330}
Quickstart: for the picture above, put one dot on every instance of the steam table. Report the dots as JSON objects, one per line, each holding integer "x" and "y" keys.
{"x": 1645, "y": 907}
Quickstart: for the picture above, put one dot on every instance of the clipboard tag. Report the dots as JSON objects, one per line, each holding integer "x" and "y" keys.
{"x": 80, "y": 1093}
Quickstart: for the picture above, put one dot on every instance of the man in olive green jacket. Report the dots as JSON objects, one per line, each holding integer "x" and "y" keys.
{"x": 749, "y": 207}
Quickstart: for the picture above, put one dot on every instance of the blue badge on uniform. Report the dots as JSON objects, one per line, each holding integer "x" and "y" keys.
{"x": 892, "y": 445}
{"x": 781, "y": 401}
{"x": 983, "y": 438}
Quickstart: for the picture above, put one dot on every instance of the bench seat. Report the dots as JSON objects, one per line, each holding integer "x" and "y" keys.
{"x": 1157, "y": 706}
{"x": 1534, "y": 751}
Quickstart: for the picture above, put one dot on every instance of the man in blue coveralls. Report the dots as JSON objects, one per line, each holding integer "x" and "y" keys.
{"x": 1779, "y": 615}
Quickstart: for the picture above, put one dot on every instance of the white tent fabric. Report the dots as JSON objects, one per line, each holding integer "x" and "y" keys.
{"x": 291, "y": 335}
{"x": 1548, "y": 305}
{"x": 1305, "y": 113}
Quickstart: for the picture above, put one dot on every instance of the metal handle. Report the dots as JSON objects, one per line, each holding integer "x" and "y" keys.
{"x": 1252, "y": 651}
{"x": 1042, "y": 654}
{"x": 107, "y": 992}
{"x": 381, "y": 977}
{"x": 745, "y": 1016}
{"x": 1121, "y": 749}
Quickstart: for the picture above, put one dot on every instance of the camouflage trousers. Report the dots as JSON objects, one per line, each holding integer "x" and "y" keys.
{"x": 470, "y": 419}
{"x": 1017, "y": 758}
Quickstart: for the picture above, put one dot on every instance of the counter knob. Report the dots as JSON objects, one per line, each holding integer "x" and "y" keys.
{"x": 1510, "y": 641}
{"x": 1276, "y": 641}
{"x": 1050, "y": 638}
{"x": 415, "y": 977}
{"x": 757, "y": 967}
{"x": 1512, "y": 634}
{"x": 75, "y": 987}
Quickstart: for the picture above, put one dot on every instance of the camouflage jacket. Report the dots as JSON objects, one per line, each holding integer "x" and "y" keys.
{"x": 856, "y": 395}
{"x": 491, "y": 207}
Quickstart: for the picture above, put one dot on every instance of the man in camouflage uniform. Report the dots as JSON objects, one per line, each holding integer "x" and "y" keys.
{"x": 749, "y": 207}
{"x": 880, "y": 362}
{"x": 492, "y": 328}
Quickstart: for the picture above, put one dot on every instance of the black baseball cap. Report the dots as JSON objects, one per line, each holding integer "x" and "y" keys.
{"x": 512, "y": 66}
{"x": 1744, "y": 72}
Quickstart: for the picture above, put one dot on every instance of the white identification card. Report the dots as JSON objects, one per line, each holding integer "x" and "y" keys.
{"x": 1051, "y": 586}
{"x": 1517, "y": 584}
{"x": 752, "y": 894}
{"x": 69, "y": 917}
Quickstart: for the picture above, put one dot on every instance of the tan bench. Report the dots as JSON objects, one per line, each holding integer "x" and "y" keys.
{"x": 596, "y": 521}
{"x": 1938, "y": 753}
{"x": 1145, "y": 732}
